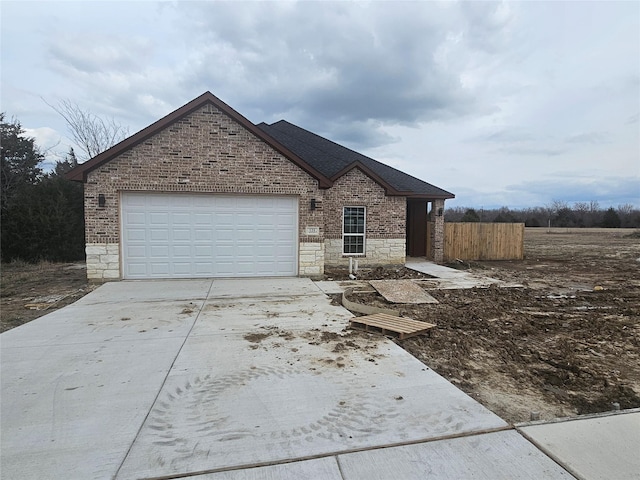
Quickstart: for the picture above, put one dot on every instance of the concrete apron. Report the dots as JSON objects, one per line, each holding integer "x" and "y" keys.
{"x": 175, "y": 378}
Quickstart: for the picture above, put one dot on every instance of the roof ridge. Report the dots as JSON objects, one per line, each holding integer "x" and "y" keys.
{"x": 310, "y": 145}
{"x": 326, "y": 139}
{"x": 358, "y": 154}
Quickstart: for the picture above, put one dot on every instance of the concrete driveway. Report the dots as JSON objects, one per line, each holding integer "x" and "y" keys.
{"x": 231, "y": 379}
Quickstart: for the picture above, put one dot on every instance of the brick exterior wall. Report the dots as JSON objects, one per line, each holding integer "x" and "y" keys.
{"x": 208, "y": 152}
{"x": 385, "y": 221}
{"x": 386, "y": 216}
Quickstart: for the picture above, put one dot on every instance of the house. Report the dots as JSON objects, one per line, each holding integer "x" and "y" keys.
{"x": 203, "y": 192}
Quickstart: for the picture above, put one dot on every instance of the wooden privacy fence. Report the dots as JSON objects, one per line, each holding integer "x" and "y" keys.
{"x": 483, "y": 241}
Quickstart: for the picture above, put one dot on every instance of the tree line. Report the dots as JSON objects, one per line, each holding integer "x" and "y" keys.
{"x": 556, "y": 214}
{"x": 41, "y": 212}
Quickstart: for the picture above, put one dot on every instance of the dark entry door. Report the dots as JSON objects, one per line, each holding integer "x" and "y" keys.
{"x": 416, "y": 227}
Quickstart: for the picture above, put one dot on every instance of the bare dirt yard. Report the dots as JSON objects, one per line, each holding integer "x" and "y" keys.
{"x": 566, "y": 343}
{"x": 28, "y": 291}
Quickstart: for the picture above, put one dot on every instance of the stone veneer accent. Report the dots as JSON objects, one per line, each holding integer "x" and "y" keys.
{"x": 378, "y": 251}
{"x": 437, "y": 232}
{"x": 311, "y": 259}
{"x": 103, "y": 261}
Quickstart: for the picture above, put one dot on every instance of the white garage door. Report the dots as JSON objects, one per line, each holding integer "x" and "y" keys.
{"x": 185, "y": 236}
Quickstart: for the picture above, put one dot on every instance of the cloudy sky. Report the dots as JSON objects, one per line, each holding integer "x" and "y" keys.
{"x": 504, "y": 104}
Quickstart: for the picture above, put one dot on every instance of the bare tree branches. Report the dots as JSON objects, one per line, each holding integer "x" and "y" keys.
{"x": 92, "y": 134}
{"x": 558, "y": 213}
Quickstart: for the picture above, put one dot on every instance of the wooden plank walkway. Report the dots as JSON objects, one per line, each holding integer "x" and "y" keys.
{"x": 390, "y": 325}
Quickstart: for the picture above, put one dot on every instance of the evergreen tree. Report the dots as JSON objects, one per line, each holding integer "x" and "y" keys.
{"x": 20, "y": 160}
{"x": 611, "y": 219}
{"x": 42, "y": 215}
{"x": 470, "y": 216}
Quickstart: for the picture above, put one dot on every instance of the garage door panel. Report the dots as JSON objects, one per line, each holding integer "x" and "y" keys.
{"x": 181, "y": 219}
{"x": 202, "y": 251}
{"x": 224, "y": 269}
{"x": 186, "y": 235}
{"x": 136, "y": 219}
{"x": 282, "y": 236}
{"x": 263, "y": 251}
{"x": 137, "y": 234}
{"x": 245, "y": 234}
{"x": 223, "y": 249}
{"x": 245, "y": 250}
{"x": 285, "y": 251}
{"x": 181, "y": 251}
{"x": 158, "y": 234}
{"x": 202, "y": 234}
{"x": 159, "y": 251}
{"x": 158, "y": 218}
{"x": 138, "y": 269}
{"x": 203, "y": 201}
{"x": 266, "y": 236}
{"x": 159, "y": 200}
{"x": 224, "y": 234}
{"x": 286, "y": 266}
{"x": 182, "y": 269}
{"x": 181, "y": 234}
{"x": 159, "y": 268}
{"x": 284, "y": 221}
{"x": 225, "y": 203}
{"x": 136, "y": 251}
{"x": 245, "y": 268}
{"x": 204, "y": 269}
{"x": 137, "y": 200}
{"x": 205, "y": 219}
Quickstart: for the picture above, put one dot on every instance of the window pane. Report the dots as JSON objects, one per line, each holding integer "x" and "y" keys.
{"x": 353, "y": 220}
{"x": 353, "y": 230}
{"x": 353, "y": 244}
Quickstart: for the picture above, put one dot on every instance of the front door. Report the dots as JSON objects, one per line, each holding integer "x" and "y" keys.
{"x": 416, "y": 227}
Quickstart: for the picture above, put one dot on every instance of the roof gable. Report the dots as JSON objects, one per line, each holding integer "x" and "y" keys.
{"x": 80, "y": 172}
{"x": 321, "y": 158}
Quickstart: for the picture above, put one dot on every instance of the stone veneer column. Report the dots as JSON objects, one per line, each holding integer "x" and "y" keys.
{"x": 311, "y": 260}
{"x": 438, "y": 231}
{"x": 103, "y": 261}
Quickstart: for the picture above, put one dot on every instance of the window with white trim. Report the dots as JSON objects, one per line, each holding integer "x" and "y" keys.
{"x": 353, "y": 228}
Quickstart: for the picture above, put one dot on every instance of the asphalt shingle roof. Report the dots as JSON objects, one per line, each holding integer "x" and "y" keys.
{"x": 330, "y": 158}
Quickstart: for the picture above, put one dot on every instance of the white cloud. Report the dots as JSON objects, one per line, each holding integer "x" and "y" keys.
{"x": 485, "y": 99}
{"x": 45, "y": 137}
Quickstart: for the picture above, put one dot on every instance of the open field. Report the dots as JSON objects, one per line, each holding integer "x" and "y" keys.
{"x": 566, "y": 343}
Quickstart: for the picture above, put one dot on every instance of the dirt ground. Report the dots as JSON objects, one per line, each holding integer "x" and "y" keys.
{"x": 566, "y": 343}
{"x": 44, "y": 287}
